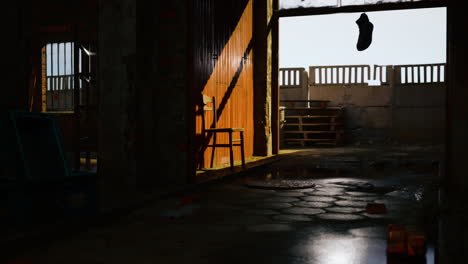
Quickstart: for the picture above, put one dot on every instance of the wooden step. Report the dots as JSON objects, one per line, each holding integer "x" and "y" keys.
{"x": 313, "y": 116}
{"x": 312, "y": 101}
{"x": 328, "y": 143}
{"x": 313, "y": 132}
{"x": 313, "y": 108}
{"x": 310, "y": 139}
{"x": 313, "y": 124}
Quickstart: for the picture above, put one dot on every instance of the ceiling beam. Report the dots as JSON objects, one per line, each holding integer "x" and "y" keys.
{"x": 309, "y": 11}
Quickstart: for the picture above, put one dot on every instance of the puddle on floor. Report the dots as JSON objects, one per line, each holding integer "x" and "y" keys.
{"x": 293, "y": 178}
{"x": 312, "y": 170}
{"x": 296, "y": 174}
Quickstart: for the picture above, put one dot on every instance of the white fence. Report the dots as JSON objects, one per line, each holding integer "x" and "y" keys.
{"x": 403, "y": 102}
{"x": 329, "y": 75}
{"x": 424, "y": 73}
{"x": 291, "y": 78}
{"x": 298, "y": 78}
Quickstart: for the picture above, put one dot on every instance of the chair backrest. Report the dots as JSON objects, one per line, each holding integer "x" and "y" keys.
{"x": 34, "y": 147}
{"x": 212, "y": 107}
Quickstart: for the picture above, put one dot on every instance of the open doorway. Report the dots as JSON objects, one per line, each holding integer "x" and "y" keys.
{"x": 383, "y": 117}
{"x": 75, "y": 109}
{"x": 393, "y": 92}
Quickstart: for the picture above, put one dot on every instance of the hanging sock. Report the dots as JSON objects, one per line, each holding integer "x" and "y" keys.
{"x": 365, "y": 32}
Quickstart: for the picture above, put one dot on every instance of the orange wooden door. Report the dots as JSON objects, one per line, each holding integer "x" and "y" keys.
{"x": 228, "y": 75}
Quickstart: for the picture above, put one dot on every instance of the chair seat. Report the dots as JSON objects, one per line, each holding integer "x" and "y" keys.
{"x": 236, "y": 129}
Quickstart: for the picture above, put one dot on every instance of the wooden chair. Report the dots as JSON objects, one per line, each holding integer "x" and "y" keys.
{"x": 214, "y": 130}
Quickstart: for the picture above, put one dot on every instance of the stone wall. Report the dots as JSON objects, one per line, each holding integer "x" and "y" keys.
{"x": 393, "y": 112}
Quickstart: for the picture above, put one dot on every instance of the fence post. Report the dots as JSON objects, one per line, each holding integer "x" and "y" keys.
{"x": 394, "y": 75}
{"x": 311, "y": 82}
{"x": 394, "y": 80}
{"x": 305, "y": 86}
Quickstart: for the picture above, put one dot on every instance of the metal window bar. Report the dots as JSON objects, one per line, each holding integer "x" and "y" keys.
{"x": 58, "y": 65}
{"x": 61, "y": 72}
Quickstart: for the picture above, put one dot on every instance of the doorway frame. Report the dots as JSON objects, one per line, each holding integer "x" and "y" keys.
{"x": 311, "y": 11}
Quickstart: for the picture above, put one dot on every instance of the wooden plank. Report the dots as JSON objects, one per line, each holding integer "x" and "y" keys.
{"x": 310, "y": 139}
{"x": 313, "y": 108}
{"x": 291, "y": 77}
{"x": 362, "y": 74}
{"x": 315, "y": 116}
{"x": 283, "y": 80}
{"x": 311, "y": 132}
{"x": 343, "y": 75}
{"x": 311, "y": 76}
{"x": 313, "y": 124}
{"x": 381, "y": 74}
{"x": 300, "y": 129}
{"x": 312, "y": 101}
{"x": 319, "y": 75}
{"x": 406, "y": 75}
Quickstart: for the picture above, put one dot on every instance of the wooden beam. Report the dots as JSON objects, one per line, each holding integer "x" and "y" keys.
{"x": 76, "y": 101}
{"x": 308, "y": 11}
{"x": 275, "y": 85}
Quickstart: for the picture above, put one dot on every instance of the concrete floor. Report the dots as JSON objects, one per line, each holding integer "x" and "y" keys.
{"x": 228, "y": 222}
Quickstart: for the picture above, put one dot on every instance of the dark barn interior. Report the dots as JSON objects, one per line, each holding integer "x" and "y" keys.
{"x": 114, "y": 151}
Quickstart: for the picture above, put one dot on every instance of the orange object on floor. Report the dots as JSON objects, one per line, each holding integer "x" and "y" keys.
{"x": 416, "y": 244}
{"x": 396, "y": 240}
{"x": 376, "y": 208}
{"x": 189, "y": 198}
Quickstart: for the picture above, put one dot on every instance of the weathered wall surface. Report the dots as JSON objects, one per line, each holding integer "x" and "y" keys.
{"x": 117, "y": 49}
{"x": 390, "y": 112}
{"x": 16, "y": 74}
{"x": 143, "y": 132}
{"x": 419, "y": 112}
{"x": 170, "y": 92}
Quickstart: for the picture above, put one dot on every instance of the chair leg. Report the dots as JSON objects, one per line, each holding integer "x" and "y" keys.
{"x": 213, "y": 150}
{"x": 231, "y": 153}
{"x": 201, "y": 160}
{"x": 242, "y": 149}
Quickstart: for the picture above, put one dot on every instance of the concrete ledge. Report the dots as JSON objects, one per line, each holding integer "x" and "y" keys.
{"x": 210, "y": 174}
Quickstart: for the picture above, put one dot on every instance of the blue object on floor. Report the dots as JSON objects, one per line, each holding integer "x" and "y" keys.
{"x": 36, "y": 182}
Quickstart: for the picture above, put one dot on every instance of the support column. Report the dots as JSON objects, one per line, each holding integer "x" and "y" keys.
{"x": 275, "y": 80}
{"x": 15, "y": 78}
{"x": 116, "y": 137}
{"x": 265, "y": 114}
{"x": 453, "y": 232}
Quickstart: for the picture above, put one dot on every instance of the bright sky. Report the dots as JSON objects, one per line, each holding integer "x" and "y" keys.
{"x": 415, "y": 36}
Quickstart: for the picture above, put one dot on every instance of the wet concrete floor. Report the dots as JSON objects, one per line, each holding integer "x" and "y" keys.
{"x": 321, "y": 218}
